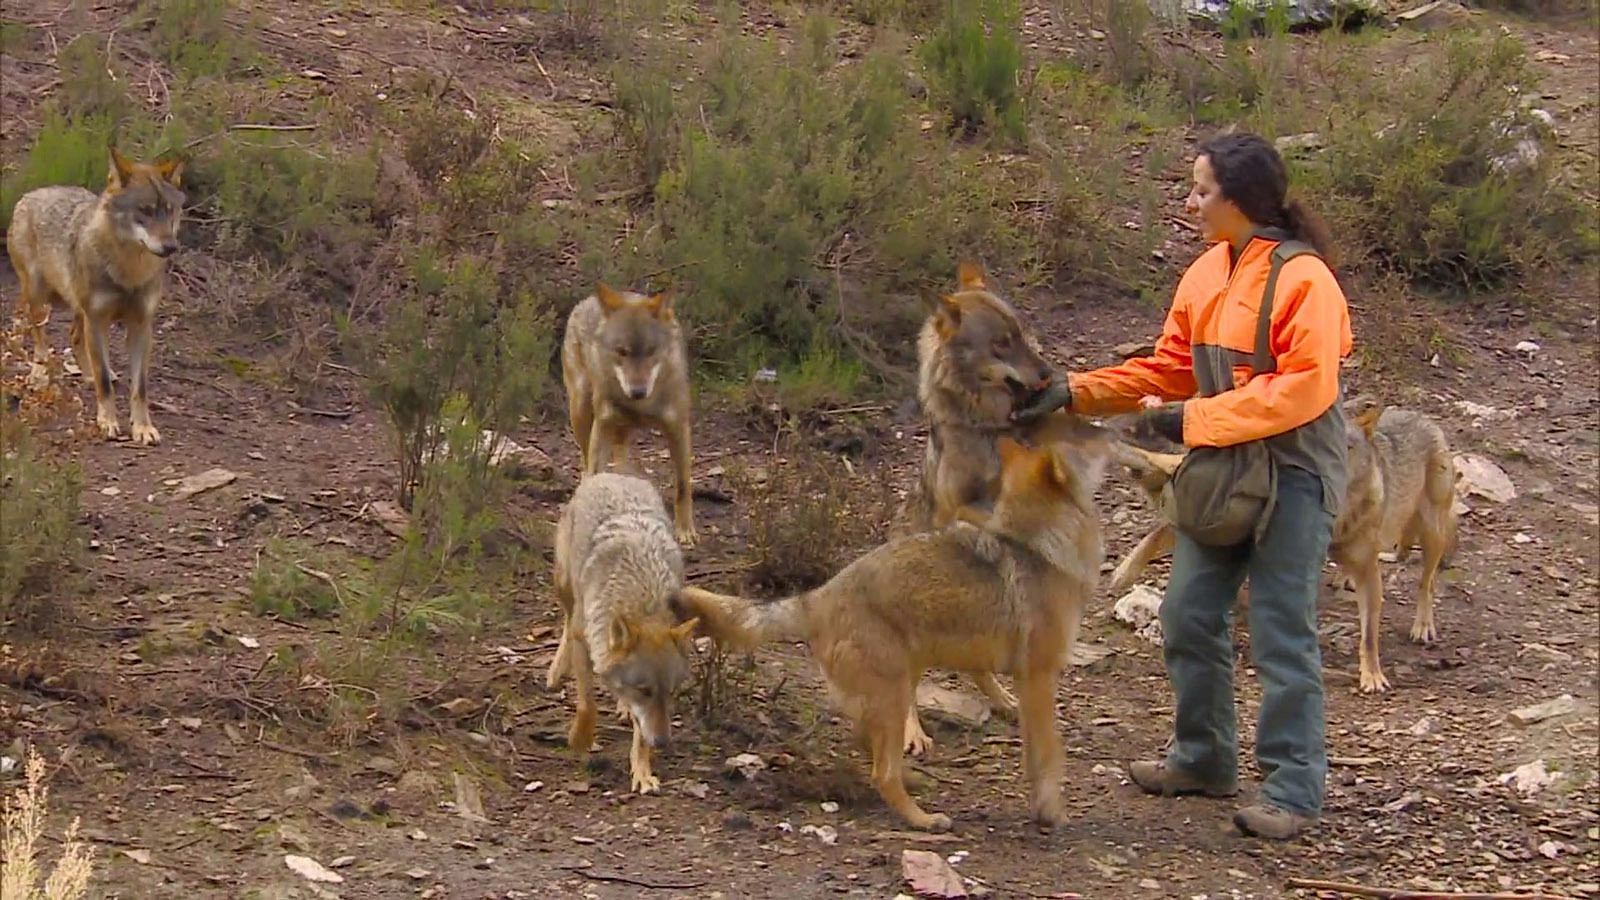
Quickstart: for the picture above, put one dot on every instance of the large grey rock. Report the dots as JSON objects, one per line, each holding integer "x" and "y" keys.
{"x": 1302, "y": 13}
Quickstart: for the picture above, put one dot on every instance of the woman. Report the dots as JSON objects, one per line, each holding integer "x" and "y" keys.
{"x": 1200, "y": 367}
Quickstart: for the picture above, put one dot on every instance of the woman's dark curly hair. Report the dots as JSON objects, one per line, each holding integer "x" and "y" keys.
{"x": 1253, "y": 177}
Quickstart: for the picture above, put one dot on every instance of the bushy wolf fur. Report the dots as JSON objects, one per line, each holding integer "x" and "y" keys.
{"x": 616, "y": 566}
{"x": 103, "y": 257}
{"x": 999, "y": 591}
{"x": 975, "y": 363}
{"x": 1401, "y": 494}
{"x": 624, "y": 364}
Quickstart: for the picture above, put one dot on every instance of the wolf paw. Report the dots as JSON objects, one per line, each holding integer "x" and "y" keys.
{"x": 146, "y": 435}
{"x": 686, "y": 535}
{"x": 38, "y": 377}
{"x": 109, "y": 426}
{"x": 646, "y": 783}
{"x": 1373, "y": 681}
{"x": 937, "y": 823}
{"x": 1048, "y": 816}
{"x": 1424, "y": 632}
{"x": 917, "y": 741}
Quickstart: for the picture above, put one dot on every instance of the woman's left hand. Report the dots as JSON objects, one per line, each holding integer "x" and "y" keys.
{"x": 1165, "y": 420}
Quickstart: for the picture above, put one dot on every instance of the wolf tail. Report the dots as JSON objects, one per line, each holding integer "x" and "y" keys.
{"x": 743, "y": 624}
{"x": 1440, "y": 490}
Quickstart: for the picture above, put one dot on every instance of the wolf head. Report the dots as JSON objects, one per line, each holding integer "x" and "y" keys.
{"x": 983, "y": 337}
{"x": 651, "y": 662}
{"x": 636, "y": 338}
{"x": 1048, "y": 476}
{"x": 145, "y": 203}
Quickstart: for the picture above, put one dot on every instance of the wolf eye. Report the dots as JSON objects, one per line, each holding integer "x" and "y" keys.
{"x": 1002, "y": 344}
{"x": 622, "y": 352}
{"x": 646, "y": 691}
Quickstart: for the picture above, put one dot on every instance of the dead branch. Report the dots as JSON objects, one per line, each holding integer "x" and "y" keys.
{"x": 636, "y": 882}
{"x": 1311, "y": 884}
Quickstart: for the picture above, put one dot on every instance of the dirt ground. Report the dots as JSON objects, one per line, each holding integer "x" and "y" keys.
{"x": 190, "y": 787}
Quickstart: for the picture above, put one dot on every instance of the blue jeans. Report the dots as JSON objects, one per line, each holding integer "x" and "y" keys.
{"x": 1196, "y": 614}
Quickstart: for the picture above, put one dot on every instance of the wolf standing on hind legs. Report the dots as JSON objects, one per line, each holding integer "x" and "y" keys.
{"x": 1248, "y": 363}
{"x": 103, "y": 257}
{"x": 624, "y": 365}
{"x": 616, "y": 566}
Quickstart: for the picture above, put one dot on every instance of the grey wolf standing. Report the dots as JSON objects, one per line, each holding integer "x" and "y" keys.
{"x": 616, "y": 566}
{"x": 999, "y": 591}
{"x": 975, "y": 363}
{"x": 104, "y": 257}
{"x": 1400, "y": 495}
{"x": 624, "y": 365}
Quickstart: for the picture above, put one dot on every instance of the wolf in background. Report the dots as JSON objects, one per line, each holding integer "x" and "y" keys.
{"x": 624, "y": 364}
{"x": 103, "y": 257}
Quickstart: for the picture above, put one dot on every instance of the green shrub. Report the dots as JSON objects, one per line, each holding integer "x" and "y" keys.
{"x": 974, "y": 61}
{"x": 41, "y": 536}
{"x": 794, "y": 209}
{"x": 1411, "y": 179}
{"x": 195, "y": 38}
{"x": 287, "y": 202}
{"x": 451, "y": 362}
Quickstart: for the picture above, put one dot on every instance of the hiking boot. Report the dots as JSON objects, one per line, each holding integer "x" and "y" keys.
{"x": 1264, "y": 820}
{"x": 1158, "y": 778}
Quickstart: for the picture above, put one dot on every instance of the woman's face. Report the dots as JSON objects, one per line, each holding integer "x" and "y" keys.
{"x": 1219, "y": 219}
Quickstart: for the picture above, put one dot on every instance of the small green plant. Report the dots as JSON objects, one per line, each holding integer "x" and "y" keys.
{"x": 41, "y": 537}
{"x": 453, "y": 363}
{"x": 804, "y": 518}
{"x": 195, "y": 38}
{"x": 288, "y": 202}
{"x": 291, "y": 583}
{"x": 88, "y": 88}
{"x": 974, "y": 61}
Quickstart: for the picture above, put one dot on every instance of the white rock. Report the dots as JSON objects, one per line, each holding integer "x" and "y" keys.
{"x": 1564, "y": 705}
{"x": 311, "y": 870}
{"x": 1528, "y": 347}
{"x": 1530, "y": 778}
{"x": 746, "y": 764}
{"x": 1478, "y": 475}
{"x": 964, "y": 709}
{"x": 1140, "y": 608}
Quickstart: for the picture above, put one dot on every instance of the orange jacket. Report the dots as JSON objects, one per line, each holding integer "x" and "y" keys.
{"x": 1214, "y": 312}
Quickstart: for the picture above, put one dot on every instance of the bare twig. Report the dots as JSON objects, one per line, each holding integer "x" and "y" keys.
{"x": 1311, "y": 884}
{"x": 295, "y": 751}
{"x": 329, "y": 413}
{"x": 636, "y": 882}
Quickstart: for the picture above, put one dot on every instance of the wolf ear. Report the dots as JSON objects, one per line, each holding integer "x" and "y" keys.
{"x": 947, "y": 317}
{"x": 684, "y": 629}
{"x": 171, "y": 170}
{"x": 660, "y": 306}
{"x": 610, "y": 300}
{"x": 620, "y": 636}
{"x": 121, "y": 170}
{"x": 970, "y": 276}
